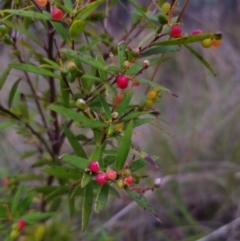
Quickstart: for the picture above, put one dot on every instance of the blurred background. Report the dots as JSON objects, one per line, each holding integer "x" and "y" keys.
{"x": 196, "y": 139}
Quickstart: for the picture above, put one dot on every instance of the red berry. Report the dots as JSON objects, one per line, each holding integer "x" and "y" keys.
{"x": 94, "y": 166}
{"x": 128, "y": 180}
{"x": 21, "y": 224}
{"x": 41, "y": 3}
{"x": 111, "y": 174}
{"x": 176, "y": 31}
{"x": 57, "y": 14}
{"x": 122, "y": 81}
{"x": 5, "y": 181}
{"x": 197, "y": 31}
{"x": 101, "y": 178}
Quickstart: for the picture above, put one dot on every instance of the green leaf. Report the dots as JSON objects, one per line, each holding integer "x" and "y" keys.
{"x": 63, "y": 172}
{"x": 97, "y": 155}
{"x": 75, "y": 161}
{"x": 65, "y": 92}
{"x": 124, "y": 147}
{"x": 188, "y": 39}
{"x": 134, "y": 115}
{"x": 6, "y": 124}
{"x": 198, "y": 56}
{"x": 86, "y": 77}
{"x": 140, "y": 122}
{"x": 55, "y": 205}
{"x": 33, "y": 69}
{"x": 101, "y": 199}
{"x": 86, "y": 59}
{"x": 45, "y": 189}
{"x": 36, "y": 216}
{"x": 76, "y": 28}
{"x": 84, "y": 122}
{"x": 12, "y": 92}
{"x": 105, "y": 107}
{"x": 61, "y": 31}
{"x": 159, "y": 50}
{"x": 142, "y": 202}
{"x": 3, "y": 211}
{"x": 68, "y": 4}
{"x": 76, "y": 146}
{"x": 25, "y": 204}
{"x": 85, "y": 179}
{"x": 29, "y": 14}
{"x": 87, "y": 205}
{"x": 152, "y": 84}
{"x": 58, "y": 191}
{"x": 52, "y": 63}
{"x": 121, "y": 108}
{"x": 102, "y": 73}
{"x": 71, "y": 207}
{"x": 90, "y": 7}
{"x": 21, "y": 29}
{"x": 138, "y": 164}
{"x": 121, "y": 48}
{"x": 4, "y": 76}
{"x": 16, "y": 200}
{"x": 29, "y": 177}
{"x": 113, "y": 192}
{"x": 27, "y": 154}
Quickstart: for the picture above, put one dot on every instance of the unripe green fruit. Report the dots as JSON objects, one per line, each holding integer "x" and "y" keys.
{"x": 149, "y": 103}
{"x": 7, "y": 40}
{"x": 166, "y": 7}
{"x": 14, "y": 234}
{"x": 15, "y": 226}
{"x": 3, "y": 30}
{"x": 162, "y": 19}
{"x": 206, "y": 43}
{"x": 120, "y": 183}
{"x": 126, "y": 172}
{"x": 81, "y": 104}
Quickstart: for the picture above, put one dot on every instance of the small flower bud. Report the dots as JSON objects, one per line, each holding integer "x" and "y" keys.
{"x": 145, "y": 64}
{"x": 81, "y": 104}
{"x": 115, "y": 115}
{"x": 157, "y": 182}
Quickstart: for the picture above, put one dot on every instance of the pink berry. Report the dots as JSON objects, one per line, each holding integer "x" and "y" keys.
{"x": 101, "y": 178}
{"x": 94, "y": 166}
{"x": 128, "y": 180}
{"x": 176, "y": 31}
{"x": 111, "y": 174}
{"x": 21, "y": 224}
{"x": 197, "y": 31}
{"x": 122, "y": 81}
{"x": 57, "y": 14}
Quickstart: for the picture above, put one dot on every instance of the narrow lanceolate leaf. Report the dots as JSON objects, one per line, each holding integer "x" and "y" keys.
{"x": 6, "y": 124}
{"x": 142, "y": 202}
{"x": 197, "y": 55}
{"x": 159, "y": 50}
{"x": 138, "y": 164}
{"x": 102, "y": 73}
{"x": 86, "y": 59}
{"x": 124, "y": 147}
{"x": 29, "y": 14}
{"x": 121, "y": 108}
{"x": 189, "y": 39}
{"x": 59, "y": 191}
{"x": 20, "y": 28}
{"x": 90, "y": 7}
{"x": 65, "y": 92}
{"x": 134, "y": 115}
{"x": 4, "y": 76}
{"x": 76, "y": 146}
{"x": 82, "y": 120}
{"x": 101, "y": 199}
{"x": 75, "y": 161}
{"x": 61, "y": 30}
{"x": 33, "y": 69}
{"x": 25, "y": 204}
{"x": 36, "y": 216}
{"x": 63, "y": 172}
{"x": 71, "y": 206}
{"x": 68, "y": 4}
{"x": 152, "y": 84}
{"x": 121, "y": 54}
{"x": 105, "y": 107}
{"x": 85, "y": 179}
{"x": 12, "y": 92}
{"x": 87, "y": 205}
{"x": 16, "y": 200}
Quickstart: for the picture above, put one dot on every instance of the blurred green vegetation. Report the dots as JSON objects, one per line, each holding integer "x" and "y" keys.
{"x": 196, "y": 139}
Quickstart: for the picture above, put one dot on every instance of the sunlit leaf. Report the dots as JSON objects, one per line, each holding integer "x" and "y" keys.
{"x": 63, "y": 172}
{"x": 101, "y": 199}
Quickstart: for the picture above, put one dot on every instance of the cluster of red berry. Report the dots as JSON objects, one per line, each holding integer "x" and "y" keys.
{"x": 17, "y": 228}
{"x": 121, "y": 178}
